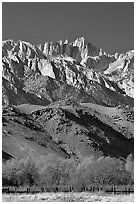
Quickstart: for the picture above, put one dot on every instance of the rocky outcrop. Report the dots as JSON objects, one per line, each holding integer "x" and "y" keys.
{"x": 42, "y": 70}
{"x": 67, "y": 130}
{"x": 79, "y": 50}
{"x": 121, "y": 71}
{"x": 99, "y": 63}
{"x": 67, "y": 100}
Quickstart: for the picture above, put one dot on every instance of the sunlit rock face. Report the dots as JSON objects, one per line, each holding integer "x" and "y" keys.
{"x": 69, "y": 99}
{"x": 40, "y": 71}
{"x": 122, "y": 72}
{"x": 80, "y": 50}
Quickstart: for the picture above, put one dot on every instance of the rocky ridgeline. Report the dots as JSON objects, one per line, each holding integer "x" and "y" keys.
{"x": 66, "y": 100}
{"x": 32, "y": 73}
{"x": 121, "y": 71}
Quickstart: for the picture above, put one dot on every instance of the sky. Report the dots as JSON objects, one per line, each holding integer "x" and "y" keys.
{"x": 107, "y": 25}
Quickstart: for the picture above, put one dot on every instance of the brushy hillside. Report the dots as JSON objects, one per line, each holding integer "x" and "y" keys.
{"x": 68, "y": 130}
{"x": 67, "y": 107}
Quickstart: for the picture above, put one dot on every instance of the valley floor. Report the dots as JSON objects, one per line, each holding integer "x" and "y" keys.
{"x": 67, "y": 197}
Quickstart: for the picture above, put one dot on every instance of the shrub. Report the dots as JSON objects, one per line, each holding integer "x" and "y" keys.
{"x": 58, "y": 174}
{"x": 103, "y": 171}
{"x": 49, "y": 175}
{"x": 20, "y": 172}
{"x": 129, "y": 167}
{"x": 65, "y": 173}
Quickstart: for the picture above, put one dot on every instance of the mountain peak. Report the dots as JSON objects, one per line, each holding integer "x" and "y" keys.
{"x": 83, "y": 39}
{"x": 64, "y": 88}
{"x": 80, "y": 42}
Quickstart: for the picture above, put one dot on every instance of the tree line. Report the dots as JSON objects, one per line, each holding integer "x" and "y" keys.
{"x": 26, "y": 171}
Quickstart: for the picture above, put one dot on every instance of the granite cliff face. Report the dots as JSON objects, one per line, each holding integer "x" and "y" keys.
{"x": 122, "y": 72}
{"x": 78, "y": 64}
{"x": 71, "y": 76}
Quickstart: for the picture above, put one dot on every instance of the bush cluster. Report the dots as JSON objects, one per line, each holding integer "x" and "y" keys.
{"x": 68, "y": 172}
{"x": 20, "y": 172}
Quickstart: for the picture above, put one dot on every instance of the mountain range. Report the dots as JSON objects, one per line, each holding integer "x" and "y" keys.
{"x": 66, "y": 99}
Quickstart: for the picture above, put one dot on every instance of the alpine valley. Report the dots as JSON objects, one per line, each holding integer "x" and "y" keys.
{"x": 66, "y": 100}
